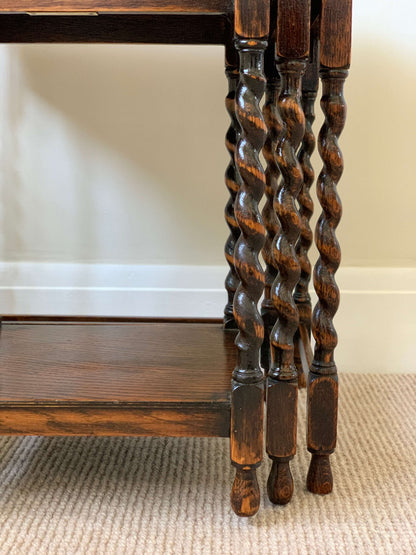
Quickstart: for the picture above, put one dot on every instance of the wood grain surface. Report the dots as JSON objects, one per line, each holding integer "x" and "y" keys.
{"x": 232, "y": 182}
{"x": 115, "y": 379}
{"x": 186, "y": 420}
{"x": 115, "y": 363}
{"x": 247, "y": 391}
{"x": 336, "y": 16}
{"x": 322, "y": 384}
{"x": 274, "y": 126}
{"x": 293, "y": 28}
{"x": 126, "y": 29}
{"x": 117, "y": 6}
{"x": 252, "y": 18}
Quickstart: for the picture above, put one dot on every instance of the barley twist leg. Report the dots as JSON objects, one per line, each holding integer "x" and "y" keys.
{"x": 302, "y": 298}
{"x": 232, "y": 183}
{"x": 282, "y": 377}
{"x": 274, "y": 127}
{"x": 323, "y": 381}
{"x": 247, "y": 383}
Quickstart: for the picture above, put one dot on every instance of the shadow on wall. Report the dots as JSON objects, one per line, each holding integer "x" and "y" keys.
{"x": 378, "y": 224}
{"x": 162, "y": 112}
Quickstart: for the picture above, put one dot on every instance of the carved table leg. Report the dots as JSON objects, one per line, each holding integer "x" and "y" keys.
{"x": 323, "y": 381}
{"x": 251, "y": 26}
{"x": 282, "y": 377}
{"x": 302, "y": 298}
{"x": 232, "y": 183}
{"x": 274, "y": 127}
{"x": 247, "y": 383}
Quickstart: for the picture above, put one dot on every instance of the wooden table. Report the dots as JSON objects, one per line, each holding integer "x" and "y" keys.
{"x": 115, "y": 376}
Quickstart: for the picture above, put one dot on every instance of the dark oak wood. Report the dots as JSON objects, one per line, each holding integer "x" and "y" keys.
{"x": 336, "y": 18}
{"x": 37, "y": 318}
{"x": 323, "y": 383}
{"x": 109, "y": 362}
{"x": 246, "y": 448}
{"x": 301, "y": 295}
{"x": 323, "y": 364}
{"x": 319, "y": 473}
{"x": 251, "y": 18}
{"x": 252, "y": 232}
{"x": 191, "y": 420}
{"x": 118, "y": 6}
{"x": 293, "y": 28}
{"x": 282, "y": 368}
{"x": 282, "y": 399}
{"x": 125, "y": 29}
{"x": 232, "y": 181}
{"x": 246, "y": 445}
{"x": 322, "y": 408}
{"x": 50, "y": 370}
{"x": 78, "y": 320}
{"x": 117, "y": 376}
{"x": 282, "y": 377}
{"x": 274, "y": 127}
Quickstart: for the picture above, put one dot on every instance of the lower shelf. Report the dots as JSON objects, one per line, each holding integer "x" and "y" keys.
{"x": 60, "y": 377}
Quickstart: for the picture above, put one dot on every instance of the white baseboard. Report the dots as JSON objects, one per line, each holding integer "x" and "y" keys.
{"x": 111, "y": 290}
{"x": 376, "y": 322}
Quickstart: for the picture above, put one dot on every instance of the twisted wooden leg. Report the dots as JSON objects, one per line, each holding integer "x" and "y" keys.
{"x": 335, "y": 29}
{"x": 232, "y": 183}
{"x": 323, "y": 381}
{"x": 274, "y": 127}
{"x": 282, "y": 377}
{"x": 292, "y": 49}
{"x": 303, "y": 351}
{"x": 247, "y": 383}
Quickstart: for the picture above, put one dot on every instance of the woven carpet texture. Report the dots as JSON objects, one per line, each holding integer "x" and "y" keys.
{"x": 171, "y": 495}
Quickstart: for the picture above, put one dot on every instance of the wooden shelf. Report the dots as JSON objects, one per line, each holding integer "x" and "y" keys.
{"x": 135, "y": 29}
{"x": 60, "y": 377}
{"x": 116, "y": 6}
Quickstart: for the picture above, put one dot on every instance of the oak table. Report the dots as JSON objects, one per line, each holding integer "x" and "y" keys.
{"x": 119, "y": 376}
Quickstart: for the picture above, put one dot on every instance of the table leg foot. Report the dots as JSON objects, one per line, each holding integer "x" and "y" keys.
{"x": 245, "y": 493}
{"x": 319, "y": 478}
{"x": 280, "y": 483}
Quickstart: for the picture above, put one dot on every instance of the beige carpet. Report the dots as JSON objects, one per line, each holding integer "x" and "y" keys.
{"x": 165, "y": 495}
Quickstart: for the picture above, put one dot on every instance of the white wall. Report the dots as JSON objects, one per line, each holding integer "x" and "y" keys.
{"x": 106, "y": 158}
{"x": 114, "y": 155}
